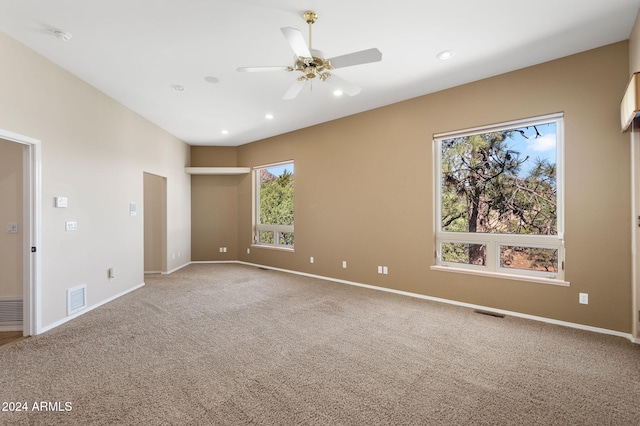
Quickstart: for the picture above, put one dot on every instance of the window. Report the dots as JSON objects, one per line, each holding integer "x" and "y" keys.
{"x": 499, "y": 199}
{"x": 273, "y": 213}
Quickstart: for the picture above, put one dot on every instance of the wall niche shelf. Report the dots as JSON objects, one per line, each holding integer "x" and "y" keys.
{"x": 217, "y": 170}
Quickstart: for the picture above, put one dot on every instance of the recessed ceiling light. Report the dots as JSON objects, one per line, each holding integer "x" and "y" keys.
{"x": 178, "y": 88}
{"x": 211, "y": 79}
{"x": 337, "y": 92}
{"x": 446, "y": 54}
{"x": 61, "y": 35}
{"x": 225, "y": 132}
{"x": 269, "y": 116}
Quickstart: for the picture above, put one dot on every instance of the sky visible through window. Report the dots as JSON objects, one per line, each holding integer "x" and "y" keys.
{"x": 542, "y": 146}
{"x": 278, "y": 170}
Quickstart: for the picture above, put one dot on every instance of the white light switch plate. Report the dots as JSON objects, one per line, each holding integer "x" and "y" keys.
{"x": 71, "y": 226}
{"x": 62, "y": 202}
{"x": 12, "y": 228}
{"x": 584, "y": 298}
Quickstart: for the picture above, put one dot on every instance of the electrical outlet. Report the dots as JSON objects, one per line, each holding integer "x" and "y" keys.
{"x": 385, "y": 270}
{"x": 311, "y": 259}
{"x": 111, "y": 273}
{"x": 344, "y": 264}
{"x": 379, "y": 269}
{"x": 584, "y": 298}
{"x": 248, "y": 251}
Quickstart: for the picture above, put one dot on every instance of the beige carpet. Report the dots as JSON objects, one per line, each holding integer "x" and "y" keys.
{"x": 234, "y": 345}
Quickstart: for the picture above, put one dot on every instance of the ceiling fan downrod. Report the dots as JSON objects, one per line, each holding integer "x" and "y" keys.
{"x": 310, "y": 17}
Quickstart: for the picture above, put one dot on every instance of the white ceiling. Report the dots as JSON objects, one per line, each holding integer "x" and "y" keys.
{"x": 136, "y": 50}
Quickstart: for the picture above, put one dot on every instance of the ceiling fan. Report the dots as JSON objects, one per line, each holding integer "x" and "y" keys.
{"x": 311, "y": 63}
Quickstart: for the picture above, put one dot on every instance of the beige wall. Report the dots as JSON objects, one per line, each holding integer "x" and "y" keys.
{"x": 214, "y": 217}
{"x": 11, "y": 198}
{"x": 94, "y": 151}
{"x": 634, "y": 47}
{"x": 364, "y": 190}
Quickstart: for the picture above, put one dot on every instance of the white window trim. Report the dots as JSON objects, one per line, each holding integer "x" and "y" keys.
{"x": 256, "y": 226}
{"x": 494, "y": 241}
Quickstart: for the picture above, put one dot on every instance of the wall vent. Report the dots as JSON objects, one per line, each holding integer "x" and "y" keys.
{"x": 488, "y": 313}
{"x": 10, "y": 311}
{"x": 76, "y": 299}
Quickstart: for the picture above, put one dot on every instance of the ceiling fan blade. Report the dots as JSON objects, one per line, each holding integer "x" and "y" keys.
{"x": 356, "y": 58}
{"x": 343, "y": 85}
{"x": 261, "y": 69}
{"x": 295, "y": 89}
{"x": 296, "y": 41}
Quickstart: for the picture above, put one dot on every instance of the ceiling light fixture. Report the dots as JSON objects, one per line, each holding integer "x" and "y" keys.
{"x": 446, "y": 54}
{"x": 211, "y": 79}
{"x": 338, "y": 93}
{"x": 269, "y": 116}
{"x": 225, "y": 132}
{"x": 60, "y": 35}
{"x": 178, "y": 88}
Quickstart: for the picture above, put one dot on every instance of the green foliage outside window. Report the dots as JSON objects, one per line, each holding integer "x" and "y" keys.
{"x": 276, "y": 204}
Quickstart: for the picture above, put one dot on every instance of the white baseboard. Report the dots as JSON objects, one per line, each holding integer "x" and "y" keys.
{"x": 453, "y": 302}
{"x": 84, "y": 311}
{"x": 176, "y": 269}
{"x": 17, "y": 327}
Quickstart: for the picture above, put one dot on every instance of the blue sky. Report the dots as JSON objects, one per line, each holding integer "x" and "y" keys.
{"x": 278, "y": 170}
{"x": 543, "y": 147}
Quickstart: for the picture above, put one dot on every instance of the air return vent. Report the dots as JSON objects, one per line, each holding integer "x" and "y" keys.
{"x": 10, "y": 311}
{"x": 76, "y": 299}
{"x": 489, "y": 313}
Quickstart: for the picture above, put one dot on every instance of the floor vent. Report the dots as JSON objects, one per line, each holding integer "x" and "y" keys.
{"x": 76, "y": 299}
{"x": 10, "y": 311}
{"x": 489, "y": 313}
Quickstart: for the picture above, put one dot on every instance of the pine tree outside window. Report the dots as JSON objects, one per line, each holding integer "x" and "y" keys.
{"x": 499, "y": 199}
{"x": 274, "y": 202}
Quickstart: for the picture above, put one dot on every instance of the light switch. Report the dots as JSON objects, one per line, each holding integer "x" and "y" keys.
{"x": 62, "y": 202}
{"x": 71, "y": 226}
{"x": 12, "y": 228}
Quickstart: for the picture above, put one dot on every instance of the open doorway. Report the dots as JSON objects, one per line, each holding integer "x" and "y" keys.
{"x": 155, "y": 224}
{"x": 19, "y": 233}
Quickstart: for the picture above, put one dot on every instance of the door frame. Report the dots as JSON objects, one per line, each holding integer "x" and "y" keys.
{"x": 32, "y": 225}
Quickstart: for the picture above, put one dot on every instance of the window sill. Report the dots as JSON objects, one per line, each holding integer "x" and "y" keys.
{"x": 265, "y": 246}
{"x": 541, "y": 280}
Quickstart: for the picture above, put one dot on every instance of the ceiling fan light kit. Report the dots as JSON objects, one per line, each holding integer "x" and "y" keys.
{"x": 312, "y": 64}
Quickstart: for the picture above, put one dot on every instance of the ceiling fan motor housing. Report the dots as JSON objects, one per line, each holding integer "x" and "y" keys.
{"x": 315, "y": 66}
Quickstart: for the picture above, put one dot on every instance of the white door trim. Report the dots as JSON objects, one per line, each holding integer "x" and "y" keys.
{"x": 32, "y": 231}
{"x": 635, "y": 229}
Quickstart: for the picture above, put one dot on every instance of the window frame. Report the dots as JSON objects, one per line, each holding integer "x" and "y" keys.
{"x": 493, "y": 242}
{"x": 258, "y": 227}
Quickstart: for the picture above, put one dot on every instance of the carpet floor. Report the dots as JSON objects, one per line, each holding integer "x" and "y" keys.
{"x": 230, "y": 344}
